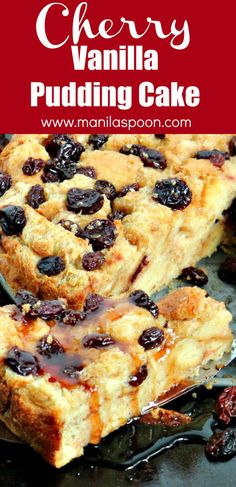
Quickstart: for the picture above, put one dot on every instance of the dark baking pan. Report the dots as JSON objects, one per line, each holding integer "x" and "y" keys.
{"x": 179, "y": 460}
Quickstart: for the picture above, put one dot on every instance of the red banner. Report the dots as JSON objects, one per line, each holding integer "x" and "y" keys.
{"x": 151, "y": 67}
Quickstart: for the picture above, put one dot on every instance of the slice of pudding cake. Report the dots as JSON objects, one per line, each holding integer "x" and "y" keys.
{"x": 69, "y": 378}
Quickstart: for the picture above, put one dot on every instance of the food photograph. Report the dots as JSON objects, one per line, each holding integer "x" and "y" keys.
{"x": 118, "y": 310}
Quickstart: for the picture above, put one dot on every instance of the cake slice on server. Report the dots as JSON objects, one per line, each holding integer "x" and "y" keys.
{"x": 69, "y": 378}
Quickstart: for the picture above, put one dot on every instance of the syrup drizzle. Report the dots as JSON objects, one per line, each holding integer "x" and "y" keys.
{"x": 95, "y": 418}
{"x": 67, "y": 366}
{"x": 76, "y": 357}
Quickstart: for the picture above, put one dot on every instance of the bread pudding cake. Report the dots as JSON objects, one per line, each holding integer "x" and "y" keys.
{"x": 90, "y": 224}
{"x": 69, "y": 378}
{"x": 111, "y": 214}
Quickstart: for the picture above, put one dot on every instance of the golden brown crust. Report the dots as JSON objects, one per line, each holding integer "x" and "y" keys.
{"x": 4, "y": 396}
{"x": 181, "y": 304}
{"x": 40, "y": 429}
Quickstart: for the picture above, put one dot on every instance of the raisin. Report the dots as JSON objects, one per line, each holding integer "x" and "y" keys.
{"x": 49, "y": 310}
{"x": 93, "y": 302}
{"x": 3, "y": 141}
{"x": 151, "y": 338}
{"x": 12, "y": 219}
{"x": 5, "y": 182}
{"x": 25, "y": 297}
{"x": 107, "y": 188}
{"x": 62, "y": 146}
{"x": 71, "y": 318}
{"x": 51, "y": 173}
{"x": 22, "y": 362}
{"x": 51, "y": 266}
{"x": 97, "y": 341}
{"x": 35, "y": 196}
{"x": 58, "y": 170}
{"x": 116, "y": 215}
{"x": 84, "y": 201}
{"x": 153, "y": 158}
{"x": 88, "y": 171}
{"x": 132, "y": 149}
{"x": 100, "y": 233}
{"x": 71, "y": 151}
{"x": 150, "y": 157}
{"x": 123, "y": 191}
{"x": 232, "y": 146}
{"x": 141, "y": 299}
{"x": 227, "y": 270}
{"x": 32, "y": 166}
{"x": 225, "y": 406}
{"x": 222, "y": 445}
{"x": 160, "y": 136}
{"x": 49, "y": 346}
{"x": 25, "y": 311}
{"x": 194, "y": 276}
{"x": 173, "y": 193}
{"x": 215, "y": 156}
{"x": 72, "y": 227}
{"x": 139, "y": 377}
{"x": 97, "y": 141}
{"x": 92, "y": 261}
{"x": 218, "y": 159}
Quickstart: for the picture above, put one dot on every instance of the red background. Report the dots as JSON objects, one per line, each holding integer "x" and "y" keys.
{"x": 208, "y": 62}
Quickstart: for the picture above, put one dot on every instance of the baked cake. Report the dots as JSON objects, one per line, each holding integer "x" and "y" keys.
{"x": 90, "y": 224}
{"x": 106, "y": 214}
{"x": 69, "y": 378}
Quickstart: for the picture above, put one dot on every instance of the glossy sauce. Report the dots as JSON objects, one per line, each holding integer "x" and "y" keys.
{"x": 95, "y": 418}
{"x": 20, "y": 317}
{"x": 67, "y": 365}
{"x": 63, "y": 367}
{"x": 76, "y": 356}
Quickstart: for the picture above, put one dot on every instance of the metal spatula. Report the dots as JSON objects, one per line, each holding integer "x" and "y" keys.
{"x": 208, "y": 374}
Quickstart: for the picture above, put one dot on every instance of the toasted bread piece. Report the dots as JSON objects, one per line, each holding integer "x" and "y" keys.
{"x": 70, "y": 381}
